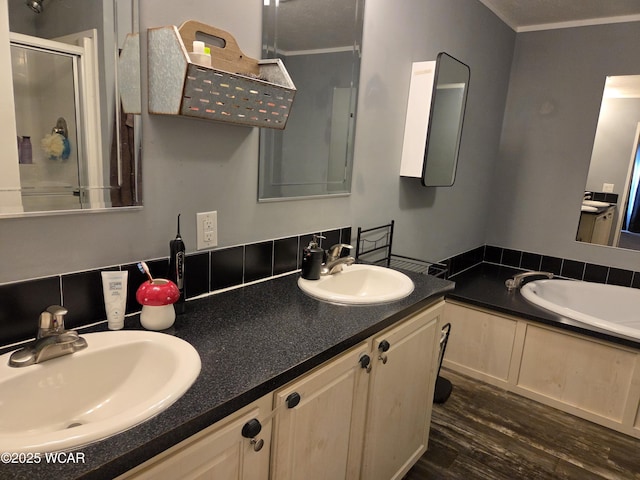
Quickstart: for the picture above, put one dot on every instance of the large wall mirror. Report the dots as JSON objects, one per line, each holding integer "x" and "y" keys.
{"x": 319, "y": 42}
{"x": 75, "y": 88}
{"x": 610, "y": 212}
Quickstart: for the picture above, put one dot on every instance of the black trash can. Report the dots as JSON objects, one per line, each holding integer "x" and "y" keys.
{"x": 443, "y": 386}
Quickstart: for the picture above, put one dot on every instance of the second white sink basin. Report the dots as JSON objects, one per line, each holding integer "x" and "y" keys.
{"x": 359, "y": 285}
{"x": 595, "y": 203}
{"x": 120, "y": 380}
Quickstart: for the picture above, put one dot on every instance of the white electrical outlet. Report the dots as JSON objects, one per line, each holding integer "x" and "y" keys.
{"x": 607, "y": 187}
{"x": 207, "y": 230}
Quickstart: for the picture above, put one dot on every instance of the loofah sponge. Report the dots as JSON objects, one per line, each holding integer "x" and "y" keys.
{"x": 56, "y": 146}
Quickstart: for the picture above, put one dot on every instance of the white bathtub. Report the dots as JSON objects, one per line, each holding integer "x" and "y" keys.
{"x": 613, "y": 308}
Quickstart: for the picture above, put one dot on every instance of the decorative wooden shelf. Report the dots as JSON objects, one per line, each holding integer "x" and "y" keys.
{"x": 235, "y": 89}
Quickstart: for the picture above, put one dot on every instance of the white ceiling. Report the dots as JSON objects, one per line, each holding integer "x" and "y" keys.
{"x": 527, "y": 15}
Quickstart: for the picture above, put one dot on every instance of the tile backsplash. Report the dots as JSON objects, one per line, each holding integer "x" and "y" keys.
{"x": 211, "y": 271}
{"x": 205, "y": 272}
{"x": 604, "y": 197}
{"x": 562, "y": 267}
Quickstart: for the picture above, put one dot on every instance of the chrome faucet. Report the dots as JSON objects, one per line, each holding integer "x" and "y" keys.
{"x": 335, "y": 262}
{"x": 516, "y": 281}
{"x": 52, "y": 340}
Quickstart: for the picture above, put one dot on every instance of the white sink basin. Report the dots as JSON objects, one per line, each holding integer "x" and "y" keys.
{"x": 595, "y": 203}
{"x": 120, "y": 380}
{"x": 359, "y": 285}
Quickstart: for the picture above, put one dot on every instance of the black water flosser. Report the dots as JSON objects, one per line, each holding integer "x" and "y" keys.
{"x": 176, "y": 267}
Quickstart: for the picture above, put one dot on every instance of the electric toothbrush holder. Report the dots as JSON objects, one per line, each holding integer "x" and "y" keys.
{"x": 157, "y": 298}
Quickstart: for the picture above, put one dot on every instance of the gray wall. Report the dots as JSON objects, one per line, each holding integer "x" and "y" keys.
{"x": 552, "y": 110}
{"x": 432, "y": 223}
{"x": 192, "y": 166}
{"x": 189, "y": 166}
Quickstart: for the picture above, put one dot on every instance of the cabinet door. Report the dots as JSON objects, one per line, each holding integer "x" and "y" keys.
{"x": 585, "y": 227}
{"x": 590, "y": 375}
{"x": 602, "y": 228}
{"x": 220, "y": 451}
{"x": 321, "y": 437}
{"x": 480, "y": 343}
{"x": 401, "y": 396}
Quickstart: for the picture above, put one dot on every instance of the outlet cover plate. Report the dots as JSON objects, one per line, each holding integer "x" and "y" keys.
{"x": 207, "y": 230}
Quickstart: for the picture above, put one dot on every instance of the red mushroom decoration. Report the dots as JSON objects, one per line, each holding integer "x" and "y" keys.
{"x": 157, "y": 298}
{"x": 157, "y": 293}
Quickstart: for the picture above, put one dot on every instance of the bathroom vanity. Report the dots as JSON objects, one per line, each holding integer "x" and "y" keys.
{"x": 260, "y": 344}
{"x": 499, "y": 338}
{"x": 595, "y": 227}
{"x": 341, "y": 420}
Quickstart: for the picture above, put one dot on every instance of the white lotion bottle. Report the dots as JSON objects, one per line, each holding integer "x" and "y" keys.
{"x": 114, "y": 288}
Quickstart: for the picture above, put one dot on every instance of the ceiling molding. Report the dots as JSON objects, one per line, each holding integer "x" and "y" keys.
{"x": 578, "y": 23}
{"x": 317, "y": 51}
{"x": 525, "y": 15}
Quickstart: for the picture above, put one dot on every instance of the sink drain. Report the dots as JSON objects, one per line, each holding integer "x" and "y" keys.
{"x": 74, "y": 424}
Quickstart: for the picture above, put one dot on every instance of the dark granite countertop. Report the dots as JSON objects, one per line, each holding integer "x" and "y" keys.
{"x": 251, "y": 341}
{"x": 483, "y": 286}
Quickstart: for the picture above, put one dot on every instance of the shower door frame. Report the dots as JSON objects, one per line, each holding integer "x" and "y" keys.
{"x": 86, "y": 94}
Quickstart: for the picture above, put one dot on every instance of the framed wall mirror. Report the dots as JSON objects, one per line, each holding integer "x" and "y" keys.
{"x": 319, "y": 42}
{"x": 610, "y": 212}
{"x": 446, "y": 116}
{"x": 75, "y": 90}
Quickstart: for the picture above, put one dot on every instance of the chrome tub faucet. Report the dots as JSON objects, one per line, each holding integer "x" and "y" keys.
{"x": 52, "y": 340}
{"x": 517, "y": 280}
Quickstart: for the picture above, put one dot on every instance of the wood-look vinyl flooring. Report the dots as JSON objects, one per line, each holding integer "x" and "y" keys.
{"x": 483, "y": 432}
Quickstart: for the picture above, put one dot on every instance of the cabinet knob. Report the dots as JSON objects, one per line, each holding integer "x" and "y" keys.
{"x": 257, "y": 444}
{"x": 252, "y": 428}
{"x": 383, "y": 347}
{"x": 365, "y": 362}
{"x": 293, "y": 400}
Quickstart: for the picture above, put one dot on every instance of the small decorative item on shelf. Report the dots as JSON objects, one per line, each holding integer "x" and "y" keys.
{"x": 199, "y": 54}
{"x": 157, "y": 297}
{"x": 56, "y": 145}
{"x": 234, "y": 89}
{"x": 25, "y": 151}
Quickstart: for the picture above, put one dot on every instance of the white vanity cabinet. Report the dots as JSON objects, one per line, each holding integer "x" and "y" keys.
{"x": 590, "y": 378}
{"x": 364, "y": 414}
{"x": 596, "y": 227}
{"x": 359, "y": 420}
{"x": 219, "y": 451}
{"x": 401, "y": 395}
{"x": 321, "y": 437}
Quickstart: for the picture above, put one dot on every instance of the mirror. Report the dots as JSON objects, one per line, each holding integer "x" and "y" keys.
{"x": 77, "y": 127}
{"x": 610, "y": 213}
{"x": 451, "y": 86}
{"x": 319, "y": 42}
